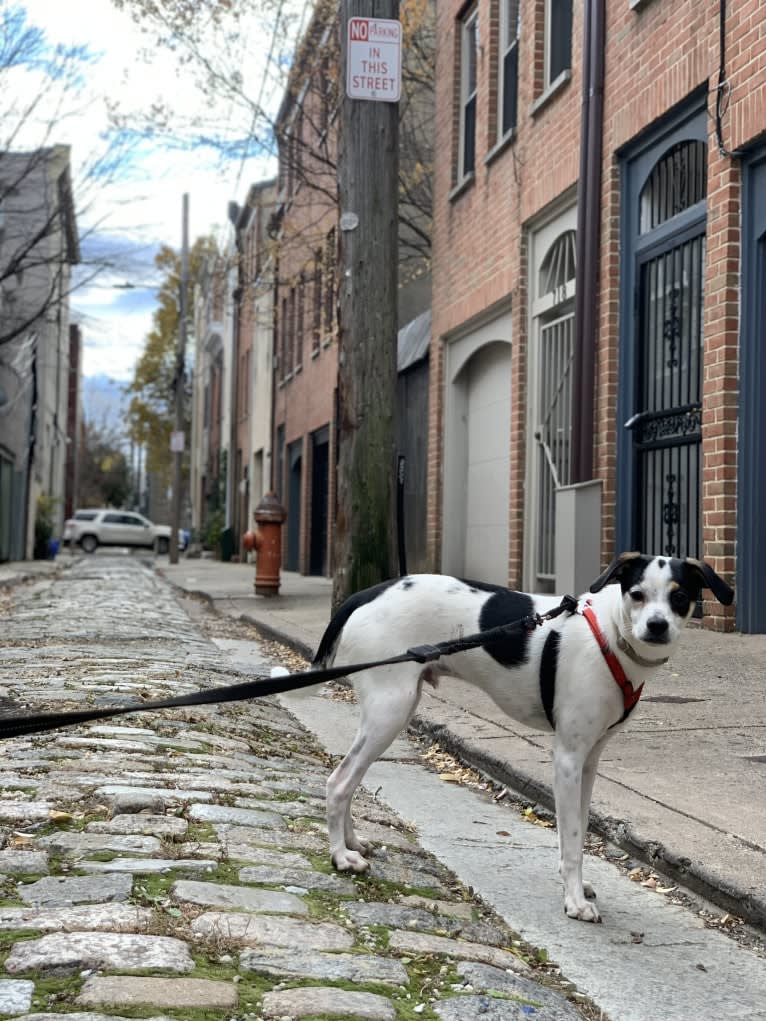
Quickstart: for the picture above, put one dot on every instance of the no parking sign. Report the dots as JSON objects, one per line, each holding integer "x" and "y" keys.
{"x": 374, "y": 59}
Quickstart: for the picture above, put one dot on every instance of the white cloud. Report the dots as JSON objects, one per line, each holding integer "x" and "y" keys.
{"x": 141, "y": 208}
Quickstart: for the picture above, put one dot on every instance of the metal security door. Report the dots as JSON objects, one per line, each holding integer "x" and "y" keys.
{"x": 667, "y": 431}
{"x": 554, "y": 438}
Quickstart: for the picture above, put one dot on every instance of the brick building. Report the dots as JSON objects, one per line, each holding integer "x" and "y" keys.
{"x": 306, "y": 235}
{"x": 643, "y": 218}
{"x": 305, "y": 341}
{"x": 39, "y": 246}
{"x": 252, "y": 324}
{"x": 211, "y": 408}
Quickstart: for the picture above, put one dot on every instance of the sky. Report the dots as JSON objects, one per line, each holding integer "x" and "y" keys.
{"x": 127, "y": 217}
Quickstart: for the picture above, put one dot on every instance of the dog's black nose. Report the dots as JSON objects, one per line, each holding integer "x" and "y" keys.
{"x": 657, "y": 627}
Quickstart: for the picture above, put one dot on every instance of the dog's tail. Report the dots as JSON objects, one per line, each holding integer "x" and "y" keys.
{"x": 324, "y": 656}
{"x": 313, "y": 689}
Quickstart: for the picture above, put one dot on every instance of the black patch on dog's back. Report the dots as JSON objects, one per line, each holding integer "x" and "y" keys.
{"x": 339, "y": 621}
{"x": 549, "y": 662}
{"x": 504, "y": 607}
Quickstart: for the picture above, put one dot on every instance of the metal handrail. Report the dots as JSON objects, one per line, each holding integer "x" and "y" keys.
{"x": 548, "y": 458}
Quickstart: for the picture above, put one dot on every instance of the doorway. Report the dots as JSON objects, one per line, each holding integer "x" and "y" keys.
{"x": 660, "y": 389}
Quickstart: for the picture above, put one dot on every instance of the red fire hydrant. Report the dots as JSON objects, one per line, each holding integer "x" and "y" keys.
{"x": 269, "y": 516}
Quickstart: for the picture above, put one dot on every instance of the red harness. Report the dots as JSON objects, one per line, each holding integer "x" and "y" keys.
{"x": 630, "y": 695}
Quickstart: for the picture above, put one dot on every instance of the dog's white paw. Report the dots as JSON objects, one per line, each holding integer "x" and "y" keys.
{"x": 584, "y": 911}
{"x": 590, "y": 893}
{"x": 350, "y": 861}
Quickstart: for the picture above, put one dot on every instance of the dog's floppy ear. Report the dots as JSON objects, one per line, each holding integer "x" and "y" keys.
{"x": 709, "y": 579}
{"x": 614, "y": 570}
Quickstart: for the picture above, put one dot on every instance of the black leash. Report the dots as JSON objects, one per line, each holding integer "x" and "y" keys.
{"x": 38, "y": 723}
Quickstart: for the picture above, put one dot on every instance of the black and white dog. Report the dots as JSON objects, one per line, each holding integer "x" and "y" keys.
{"x": 579, "y": 675}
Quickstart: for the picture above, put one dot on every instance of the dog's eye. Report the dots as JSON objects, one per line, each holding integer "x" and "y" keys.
{"x": 679, "y": 601}
{"x": 637, "y": 595}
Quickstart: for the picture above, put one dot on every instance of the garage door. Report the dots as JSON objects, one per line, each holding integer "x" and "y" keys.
{"x": 477, "y": 462}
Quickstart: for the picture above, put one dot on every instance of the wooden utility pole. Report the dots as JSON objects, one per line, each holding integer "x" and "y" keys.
{"x": 178, "y": 442}
{"x": 368, "y": 184}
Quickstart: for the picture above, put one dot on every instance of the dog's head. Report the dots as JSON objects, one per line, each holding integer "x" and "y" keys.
{"x": 659, "y": 593}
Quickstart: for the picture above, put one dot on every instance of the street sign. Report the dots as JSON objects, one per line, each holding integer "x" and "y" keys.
{"x": 177, "y": 442}
{"x": 374, "y": 59}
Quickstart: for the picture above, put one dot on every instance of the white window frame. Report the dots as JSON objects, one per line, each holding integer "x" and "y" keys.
{"x": 469, "y": 39}
{"x": 510, "y": 11}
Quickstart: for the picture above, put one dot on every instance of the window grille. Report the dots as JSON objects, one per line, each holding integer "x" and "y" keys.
{"x": 558, "y": 266}
{"x": 677, "y": 182}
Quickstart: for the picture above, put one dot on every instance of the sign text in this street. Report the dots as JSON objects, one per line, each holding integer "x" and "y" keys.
{"x": 374, "y": 59}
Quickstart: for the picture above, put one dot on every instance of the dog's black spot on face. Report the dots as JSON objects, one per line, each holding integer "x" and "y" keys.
{"x": 689, "y": 586}
{"x": 408, "y": 583}
{"x": 503, "y": 607}
{"x": 473, "y": 590}
{"x": 660, "y": 562}
{"x": 632, "y": 573}
{"x": 679, "y": 602}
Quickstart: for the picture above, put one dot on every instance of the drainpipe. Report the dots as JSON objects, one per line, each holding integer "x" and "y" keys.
{"x": 588, "y": 237}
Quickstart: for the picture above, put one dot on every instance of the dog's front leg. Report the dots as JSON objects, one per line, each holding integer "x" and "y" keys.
{"x": 568, "y": 763}
{"x": 586, "y": 793}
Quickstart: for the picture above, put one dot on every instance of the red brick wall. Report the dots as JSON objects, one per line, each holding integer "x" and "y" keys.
{"x": 304, "y": 394}
{"x": 657, "y": 56}
{"x": 479, "y": 245}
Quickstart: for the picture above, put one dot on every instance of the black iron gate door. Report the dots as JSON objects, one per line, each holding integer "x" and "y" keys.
{"x": 667, "y": 429}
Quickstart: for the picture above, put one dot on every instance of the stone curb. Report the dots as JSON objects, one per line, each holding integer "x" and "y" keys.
{"x": 268, "y": 631}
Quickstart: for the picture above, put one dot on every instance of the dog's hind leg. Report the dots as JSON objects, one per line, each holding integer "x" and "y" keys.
{"x": 385, "y": 707}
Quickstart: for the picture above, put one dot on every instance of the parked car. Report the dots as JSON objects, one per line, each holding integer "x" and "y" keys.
{"x": 93, "y": 527}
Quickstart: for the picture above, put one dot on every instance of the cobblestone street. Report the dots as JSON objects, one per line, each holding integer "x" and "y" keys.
{"x": 174, "y": 865}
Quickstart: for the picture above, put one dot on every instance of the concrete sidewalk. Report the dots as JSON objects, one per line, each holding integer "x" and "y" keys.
{"x": 17, "y": 572}
{"x": 681, "y": 788}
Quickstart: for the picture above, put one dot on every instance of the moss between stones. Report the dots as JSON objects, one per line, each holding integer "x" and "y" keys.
{"x": 11, "y": 936}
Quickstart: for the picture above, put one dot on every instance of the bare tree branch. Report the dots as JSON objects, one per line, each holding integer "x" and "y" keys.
{"x": 41, "y": 205}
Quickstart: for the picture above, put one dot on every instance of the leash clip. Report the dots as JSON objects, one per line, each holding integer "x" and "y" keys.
{"x": 569, "y": 604}
{"x": 424, "y": 653}
{"x": 532, "y": 621}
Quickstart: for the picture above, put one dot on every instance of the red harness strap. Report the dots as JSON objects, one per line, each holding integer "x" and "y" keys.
{"x": 630, "y": 695}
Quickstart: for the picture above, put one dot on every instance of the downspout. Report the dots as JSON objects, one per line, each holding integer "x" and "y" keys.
{"x": 588, "y": 241}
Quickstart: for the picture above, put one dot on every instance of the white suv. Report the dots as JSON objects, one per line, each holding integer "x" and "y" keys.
{"x": 93, "y": 528}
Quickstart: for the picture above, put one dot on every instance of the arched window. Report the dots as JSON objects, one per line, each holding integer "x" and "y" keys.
{"x": 558, "y": 266}
{"x": 678, "y": 181}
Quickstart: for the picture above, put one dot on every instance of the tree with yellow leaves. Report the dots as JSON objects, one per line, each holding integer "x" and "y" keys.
{"x": 151, "y": 392}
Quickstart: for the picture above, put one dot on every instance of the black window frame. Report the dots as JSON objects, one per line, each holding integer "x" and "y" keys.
{"x": 469, "y": 39}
